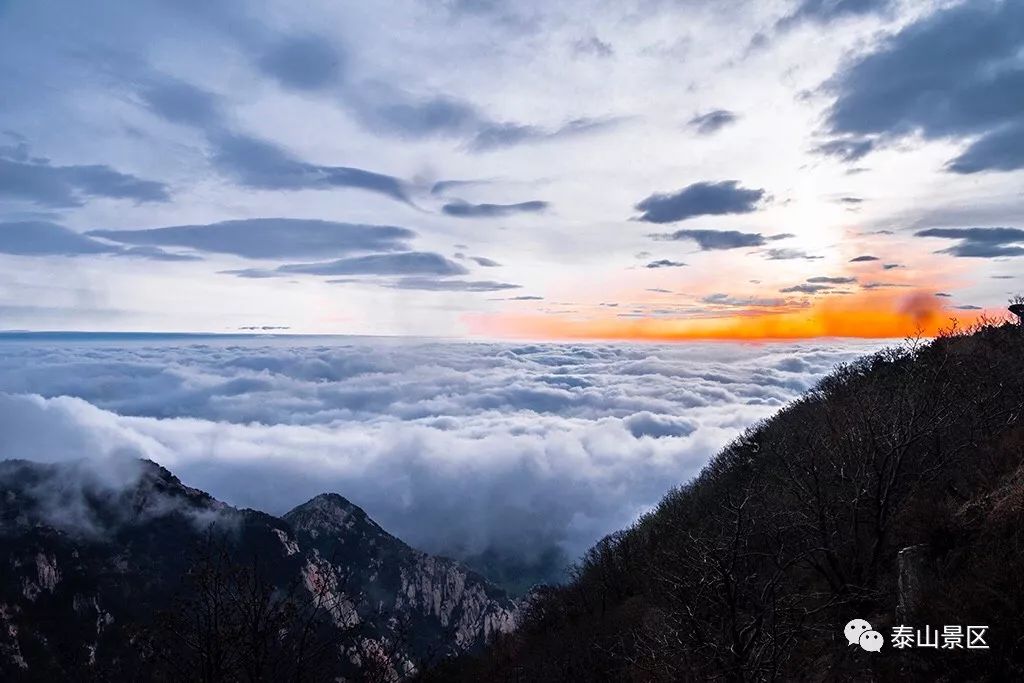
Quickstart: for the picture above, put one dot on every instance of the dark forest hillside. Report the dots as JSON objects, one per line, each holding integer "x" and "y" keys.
{"x": 892, "y": 492}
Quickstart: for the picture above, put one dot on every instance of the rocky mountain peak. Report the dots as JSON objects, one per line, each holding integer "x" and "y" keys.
{"x": 330, "y": 513}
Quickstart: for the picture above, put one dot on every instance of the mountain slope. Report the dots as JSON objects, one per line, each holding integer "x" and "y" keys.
{"x": 892, "y": 492}
{"x": 117, "y": 570}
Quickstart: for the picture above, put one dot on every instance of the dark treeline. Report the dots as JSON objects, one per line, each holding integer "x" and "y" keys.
{"x": 751, "y": 571}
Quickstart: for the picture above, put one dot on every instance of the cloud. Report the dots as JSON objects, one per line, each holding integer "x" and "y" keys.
{"x": 712, "y": 121}
{"x": 182, "y": 103}
{"x": 980, "y": 242}
{"x": 953, "y": 74}
{"x": 711, "y": 240}
{"x": 593, "y": 46}
{"x": 721, "y": 299}
{"x": 457, "y": 448}
{"x": 944, "y": 295}
{"x": 665, "y": 263}
{"x": 700, "y": 199}
{"x": 968, "y": 307}
{"x": 404, "y": 263}
{"x": 439, "y": 285}
{"x": 864, "y": 259}
{"x": 526, "y": 298}
{"x": 270, "y": 238}
{"x": 789, "y": 255}
{"x": 262, "y": 165}
{"x": 485, "y": 262}
{"x": 38, "y": 182}
{"x": 827, "y": 11}
{"x": 822, "y": 279}
{"x": 466, "y": 210}
{"x": 845, "y": 149}
{"x": 499, "y": 135}
{"x": 805, "y": 289}
{"x": 43, "y": 238}
{"x": 305, "y": 62}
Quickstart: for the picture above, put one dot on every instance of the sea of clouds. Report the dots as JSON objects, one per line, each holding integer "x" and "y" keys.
{"x": 515, "y": 457}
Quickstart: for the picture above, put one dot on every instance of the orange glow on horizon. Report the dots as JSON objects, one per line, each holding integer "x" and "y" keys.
{"x": 866, "y": 316}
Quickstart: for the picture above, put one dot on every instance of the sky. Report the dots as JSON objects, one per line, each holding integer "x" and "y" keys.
{"x": 636, "y": 169}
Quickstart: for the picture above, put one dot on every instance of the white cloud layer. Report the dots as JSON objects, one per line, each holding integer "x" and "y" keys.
{"x": 460, "y": 448}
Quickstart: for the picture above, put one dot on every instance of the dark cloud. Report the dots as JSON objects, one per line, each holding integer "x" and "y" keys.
{"x": 700, "y": 199}
{"x": 845, "y": 149}
{"x": 158, "y": 254}
{"x": 968, "y": 307}
{"x": 955, "y": 73}
{"x": 805, "y": 288}
{"x": 466, "y": 210}
{"x": 789, "y": 255}
{"x": 484, "y": 261}
{"x": 260, "y": 164}
{"x": 863, "y": 259}
{"x": 37, "y": 181}
{"x": 303, "y": 62}
{"x": 665, "y": 263}
{"x": 821, "y": 279}
{"x": 851, "y": 200}
{"x": 270, "y": 238}
{"x": 404, "y": 263}
{"x": 891, "y": 266}
{"x": 712, "y": 121}
{"x": 980, "y": 242}
{"x": 711, "y": 240}
{"x": 526, "y": 298}
{"x": 944, "y": 295}
{"x": 440, "y": 285}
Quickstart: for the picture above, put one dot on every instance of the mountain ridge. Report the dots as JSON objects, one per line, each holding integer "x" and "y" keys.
{"x": 97, "y": 554}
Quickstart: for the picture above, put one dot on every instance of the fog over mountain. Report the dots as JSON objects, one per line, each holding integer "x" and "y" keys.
{"x": 514, "y": 458}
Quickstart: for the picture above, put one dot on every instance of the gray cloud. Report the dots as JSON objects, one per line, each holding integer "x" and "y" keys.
{"x": 713, "y": 121}
{"x": 43, "y": 238}
{"x": 826, "y": 11}
{"x": 789, "y": 255}
{"x": 484, "y": 261}
{"x": 37, "y": 181}
{"x": 864, "y": 259}
{"x": 498, "y": 135}
{"x": 710, "y": 240}
{"x": 593, "y": 46}
{"x": 270, "y": 238}
{"x": 441, "y": 285}
{"x": 845, "y": 149}
{"x": 822, "y": 279}
{"x": 305, "y": 62}
{"x": 260, "y": 164}
{"x": 953, "y": 74}
{"x": 721, "y": 299}
{"x": 403, "y": 263}
{"x": 466, "y": 210}
{"x": 980, "y": 242}
{"x": 665, "y": 263}
{"x": 700, "y": 199}
{"x": 805, "y": 289}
